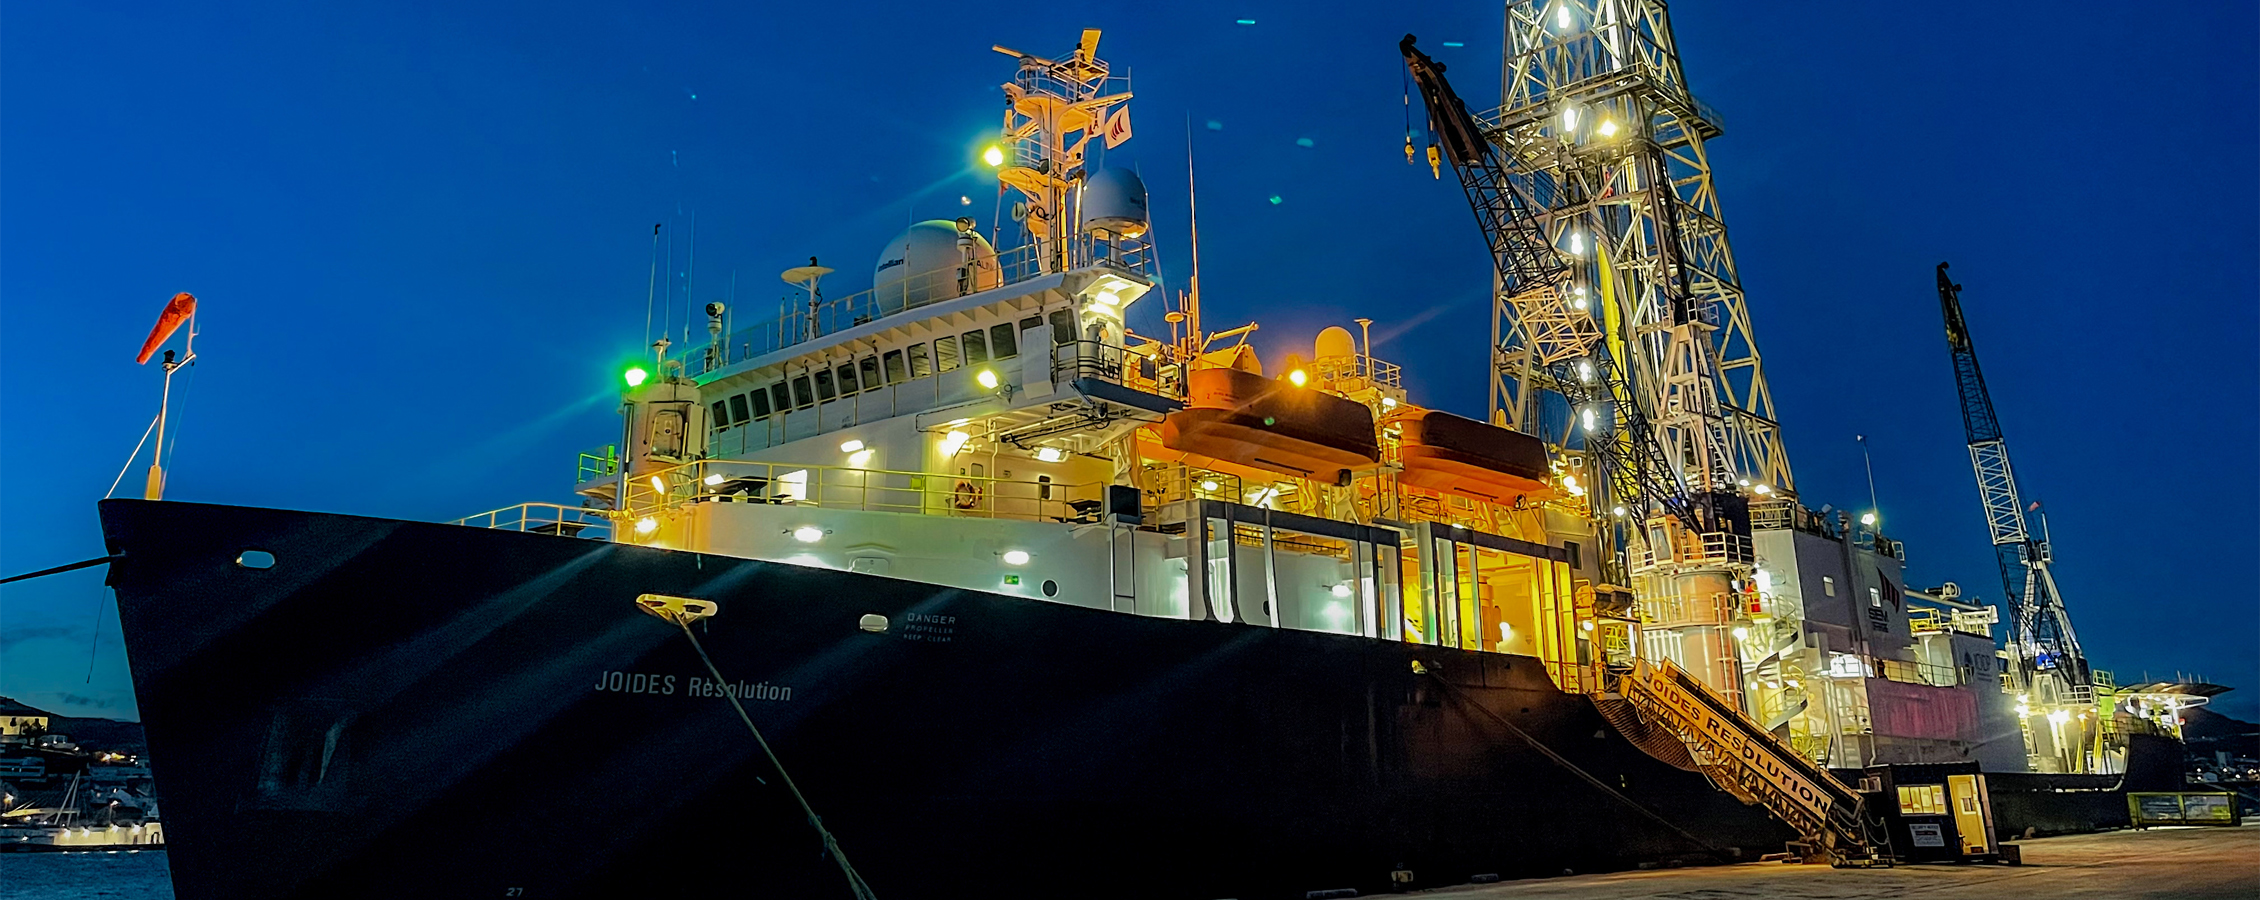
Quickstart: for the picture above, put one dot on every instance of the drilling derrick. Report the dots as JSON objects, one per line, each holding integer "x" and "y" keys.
{"x": 1599, "y": 133}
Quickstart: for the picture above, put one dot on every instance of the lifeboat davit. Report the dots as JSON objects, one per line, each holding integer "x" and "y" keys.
{"x": 1269, "y": 424}
{"x": 1447, "y": 453}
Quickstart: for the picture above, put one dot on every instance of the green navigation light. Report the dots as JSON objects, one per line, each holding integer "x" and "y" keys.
{"x": 636, "y": 376}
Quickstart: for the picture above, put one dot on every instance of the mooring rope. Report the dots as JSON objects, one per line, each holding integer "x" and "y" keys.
{"x": 81, "y": 564}
{"x": 831, "y": 845}
{"x": 1564, "y": 762}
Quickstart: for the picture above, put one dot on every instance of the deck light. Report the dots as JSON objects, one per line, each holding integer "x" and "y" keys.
{"x": 658, "y": 486}
{"x": 850, "y": 445}
{"x": 860, "y": 458}
{"x": 1585, "y": 371}
{"x": 1569, "y": 119}
{"x": 1619, "y": 511}
{"x": 1297, "y": 377}
{"x": 1016, "y": 557}
{"x": 988, "y": 379}
{"x": 1388, "y": 403}
{"x": 1050, "y": 454}
{"x": 1561, "y": 16}
{"x": 1340, "y": 591}
{"x": 994, "y": 156}
{"x": 808, "y": 534}
{"x": 1867, "y": 518}
{"x": 1208, "y": 485}
{"x": 714, "y": 480}
{"x": 636, "y": 376}
{"x": 1741, "y": 633}
{"x": 647, "y": 525}
{"x": 1109, "y": 298}
{"x": 1587, "y": 625}
{"x": 1577, "y": 244}
{"x": 953, "y": 441}
{"x": 1586, "y": 416}
{"x": 1763, "y": 489}
{"x": 1608, "y": 128}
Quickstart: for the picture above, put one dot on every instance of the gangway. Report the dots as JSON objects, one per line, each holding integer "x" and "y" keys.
{"x": 1744, "y": 759}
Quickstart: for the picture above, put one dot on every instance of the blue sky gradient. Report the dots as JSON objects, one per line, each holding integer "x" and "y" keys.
{"x": 420, "y": 239}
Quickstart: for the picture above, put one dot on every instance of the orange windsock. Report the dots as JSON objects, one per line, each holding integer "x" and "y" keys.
{"x": 176, "y": 312}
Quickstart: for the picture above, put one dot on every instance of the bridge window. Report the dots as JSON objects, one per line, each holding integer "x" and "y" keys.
{"x": 721, "y": 414}
{"x": 824, "y": 384}
{"x": 782, "y": 394}
{"x": 760, "y": 400}
{"x": 870, "y": 367}
{"x": 1063, "y": 327}
{"x": 976, "y": 348}
{"x": 738, "y": 412}
{"x": 945, "y": 354}
{"x": 1001, "y": 342}
{"x": 896, "y": 374}
{"x": 920, "y": 366}
{"x": 803, "y": 397}
{"x": 846, "y": 376}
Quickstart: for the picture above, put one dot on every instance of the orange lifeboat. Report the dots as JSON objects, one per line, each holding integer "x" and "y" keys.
{"x": 1448, "y": 453}
{"x": 1264, "y": 423}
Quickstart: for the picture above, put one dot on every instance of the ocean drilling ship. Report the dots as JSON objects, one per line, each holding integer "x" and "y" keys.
{"x": 962, "y": 579}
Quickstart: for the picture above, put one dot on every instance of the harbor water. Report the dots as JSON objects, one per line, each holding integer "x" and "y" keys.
{"x": 108, "y": 875}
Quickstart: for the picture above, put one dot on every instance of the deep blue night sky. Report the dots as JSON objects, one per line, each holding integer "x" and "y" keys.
{"x": 420, "y": 238}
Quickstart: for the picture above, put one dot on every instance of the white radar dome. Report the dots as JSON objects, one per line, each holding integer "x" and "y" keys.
{"x": 1114, "y": 204}
{"x": 1334, "y": 343}
{"x": 932, "y": 261}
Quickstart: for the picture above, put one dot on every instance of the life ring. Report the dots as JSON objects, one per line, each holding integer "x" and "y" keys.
{"x": 966, "y": 495}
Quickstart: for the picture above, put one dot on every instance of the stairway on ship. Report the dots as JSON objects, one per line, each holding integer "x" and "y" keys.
{"x": 1674, "y": 717}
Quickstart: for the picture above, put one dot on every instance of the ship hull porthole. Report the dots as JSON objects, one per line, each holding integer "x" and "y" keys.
{"x": 1051, "y": 588}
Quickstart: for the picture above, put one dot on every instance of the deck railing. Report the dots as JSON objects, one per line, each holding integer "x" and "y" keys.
{"x": 544, "y": 518}
{"x": 797, "y": 322}
{"x": 849, "y": 487}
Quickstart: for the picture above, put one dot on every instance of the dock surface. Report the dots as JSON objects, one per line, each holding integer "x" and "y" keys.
{"x": 2164, "y": 862}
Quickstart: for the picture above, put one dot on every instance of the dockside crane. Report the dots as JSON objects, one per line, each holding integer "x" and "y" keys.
{"x": 2047, "y": 670}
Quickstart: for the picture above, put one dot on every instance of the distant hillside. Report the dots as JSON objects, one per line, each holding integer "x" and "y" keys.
{"x": 2207, "y": 731}
{"x": 102, "y": 734}
{"x": 92, "y": 734}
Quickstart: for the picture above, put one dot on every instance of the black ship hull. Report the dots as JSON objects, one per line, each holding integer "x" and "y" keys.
{"x": 404, "y": 709}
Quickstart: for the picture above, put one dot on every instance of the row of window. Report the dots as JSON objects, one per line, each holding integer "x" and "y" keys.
{"x": 919, "y": 360}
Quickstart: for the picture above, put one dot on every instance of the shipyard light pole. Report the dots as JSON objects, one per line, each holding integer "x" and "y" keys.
{"x": 1604, "y": 140}
{"x": 2047, "y": 670}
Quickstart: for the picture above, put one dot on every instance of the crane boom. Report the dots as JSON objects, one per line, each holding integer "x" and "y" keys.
{"x": 1564, "y": 339}
{"x": 2041, "y": 639}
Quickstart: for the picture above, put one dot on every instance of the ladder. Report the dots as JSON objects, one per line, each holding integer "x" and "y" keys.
{"x": 1746, "y": 760}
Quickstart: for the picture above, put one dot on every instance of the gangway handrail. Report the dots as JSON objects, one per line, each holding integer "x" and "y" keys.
{"x": 1747, "y": 760}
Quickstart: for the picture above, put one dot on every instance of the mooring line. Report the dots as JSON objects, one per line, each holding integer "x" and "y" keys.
{"x": 831, "y": 845}
{"x": 1564, "y": 762}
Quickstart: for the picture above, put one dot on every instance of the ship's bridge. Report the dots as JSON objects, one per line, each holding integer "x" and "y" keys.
{"x": 800, "y": 330}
